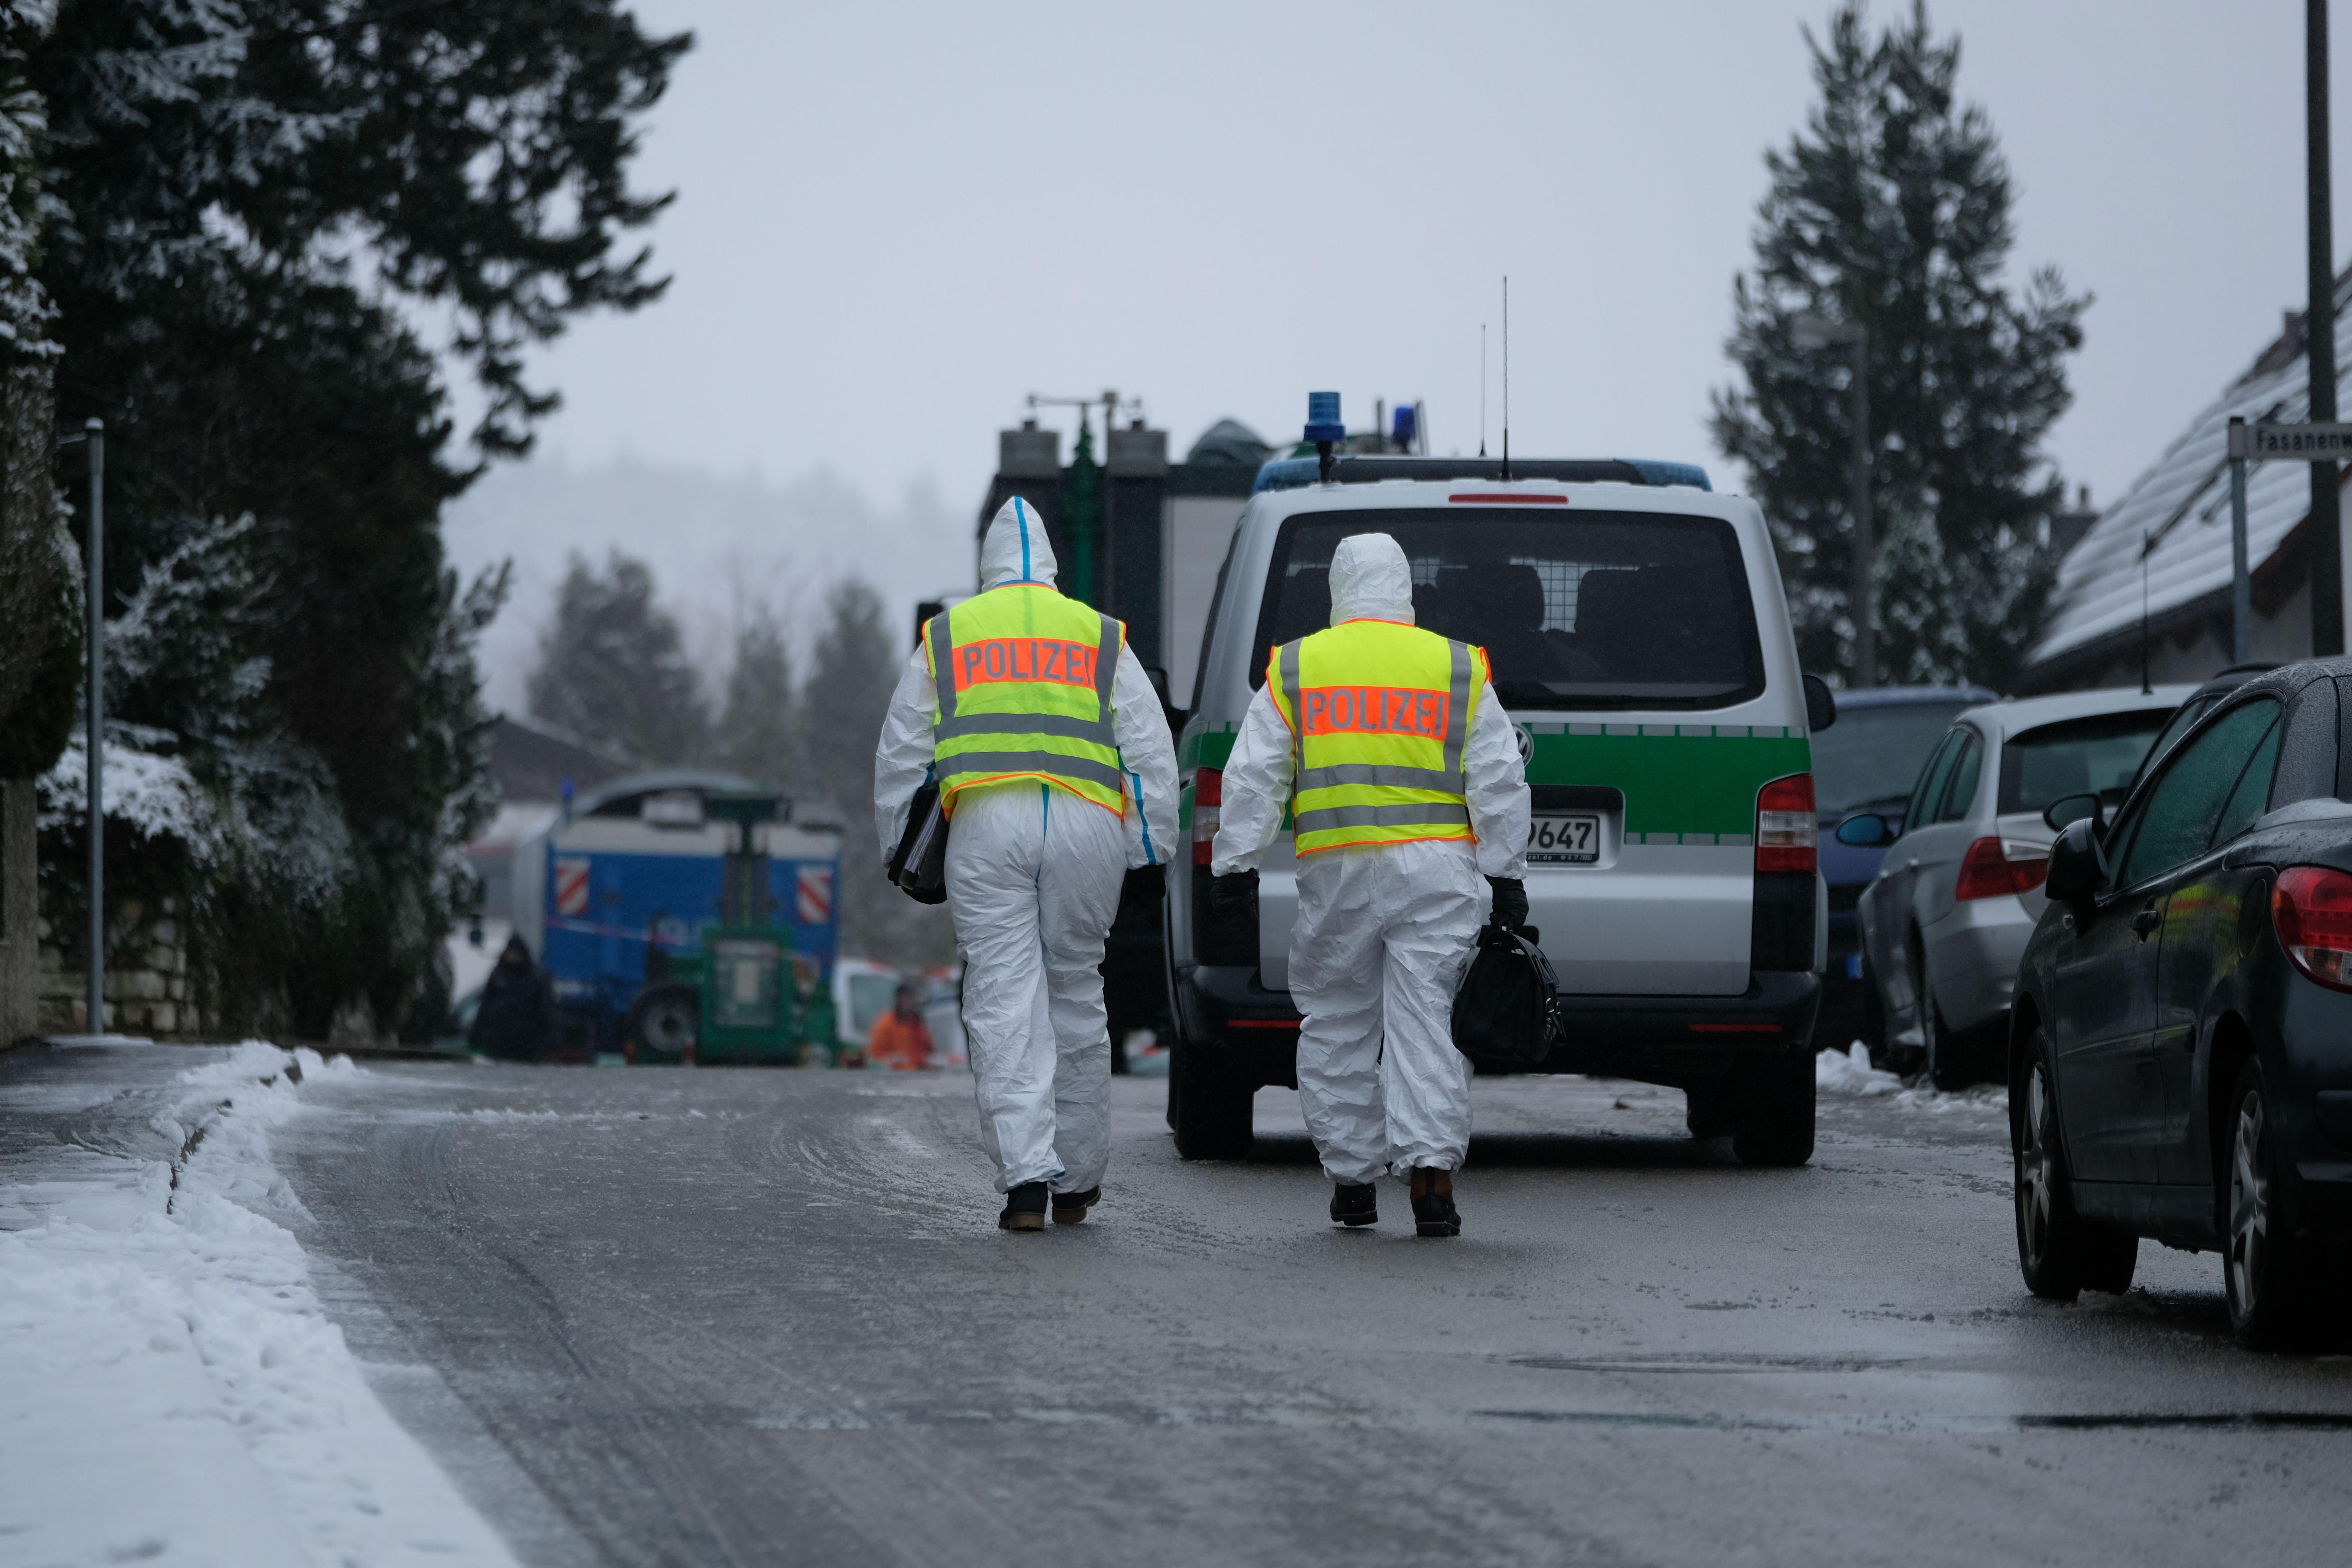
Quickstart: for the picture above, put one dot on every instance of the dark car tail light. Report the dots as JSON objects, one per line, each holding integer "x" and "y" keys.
{"x": 1993, "y": 866}
{"x": 1788, "y": 833}
{"x": 1208, "y": 796}
{"x": 2312, "y": 908}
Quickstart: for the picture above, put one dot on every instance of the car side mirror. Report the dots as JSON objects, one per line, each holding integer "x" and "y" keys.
{"x": 1865, "y": 830}
{"x": 2067, "y": 810}
{"x": 2078, "y": 865}
{"x": 1820, "y": 704}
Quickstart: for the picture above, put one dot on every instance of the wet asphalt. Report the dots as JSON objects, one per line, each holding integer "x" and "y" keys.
{"x": 765, "y": 1317}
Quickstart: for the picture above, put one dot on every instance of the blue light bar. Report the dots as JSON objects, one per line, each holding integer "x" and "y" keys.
{"x": 1654, "y": 472}
{"x": 1286, "y": 474}
{"x": 1323, "y": 423}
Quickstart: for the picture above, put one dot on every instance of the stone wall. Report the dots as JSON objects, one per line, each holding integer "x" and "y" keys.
{"x": 148, "y": 988}
{"x": 20, "y": 968}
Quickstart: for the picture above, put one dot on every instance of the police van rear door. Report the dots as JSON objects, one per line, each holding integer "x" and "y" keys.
{"x": 1625, "y": 645}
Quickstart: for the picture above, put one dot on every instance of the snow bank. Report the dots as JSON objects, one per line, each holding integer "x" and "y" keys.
{"x": 1850, "y": 1072}
{"x": 170, "y": 1389}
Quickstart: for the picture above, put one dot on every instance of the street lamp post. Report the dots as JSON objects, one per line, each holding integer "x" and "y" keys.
{"x": 1813, "y": 332}
{"x": 93, "y": 437}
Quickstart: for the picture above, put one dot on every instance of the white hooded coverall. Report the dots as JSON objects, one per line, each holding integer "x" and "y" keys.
{"x": 1033, "y": 880}
{"x": 1383, "y": 930}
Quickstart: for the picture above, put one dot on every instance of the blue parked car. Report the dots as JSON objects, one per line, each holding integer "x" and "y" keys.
{"x": 1869, "y": 762}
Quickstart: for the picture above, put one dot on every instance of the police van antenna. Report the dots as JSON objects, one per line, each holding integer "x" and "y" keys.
{"x": 1482, "y": 389}
{"x": 1506, "y": 376}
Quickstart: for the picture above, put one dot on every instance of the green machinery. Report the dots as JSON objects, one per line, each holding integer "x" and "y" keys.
{"x": 740, "y": 1000}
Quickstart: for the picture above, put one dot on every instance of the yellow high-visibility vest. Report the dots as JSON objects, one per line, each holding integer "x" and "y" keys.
{"x": 1378, "y": 712}
{"x": 1024, "y": 686}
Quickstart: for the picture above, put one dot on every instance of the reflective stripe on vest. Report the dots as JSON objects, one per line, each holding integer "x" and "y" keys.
{"x": 1378, "y": 714}
{"x": 1024, "y": 677}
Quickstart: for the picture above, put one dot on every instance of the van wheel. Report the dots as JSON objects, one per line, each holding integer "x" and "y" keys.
{"x": 1772, "y": 1123}
{"x": 1707, "y": 1113}
{"x": 2059, "y": 1254}
{"x": 2267, "y": 1272}
{"x": 1208, "y": 1104}
{"x": 665, "y": 1025}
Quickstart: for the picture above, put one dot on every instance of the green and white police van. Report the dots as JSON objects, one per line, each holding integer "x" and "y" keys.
{"x": 1640, "y": 640}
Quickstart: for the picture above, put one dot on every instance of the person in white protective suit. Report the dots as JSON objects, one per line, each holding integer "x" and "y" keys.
{"x": 1053, "y": 760}
{"x": 1408, "y": 785}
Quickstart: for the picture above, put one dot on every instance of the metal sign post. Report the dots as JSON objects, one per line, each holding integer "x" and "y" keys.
{"x": 97, "y": 737}
{"x": 2329, "y": 442}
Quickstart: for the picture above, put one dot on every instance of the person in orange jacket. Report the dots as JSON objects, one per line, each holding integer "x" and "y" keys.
{"x": 900, "y": 1040}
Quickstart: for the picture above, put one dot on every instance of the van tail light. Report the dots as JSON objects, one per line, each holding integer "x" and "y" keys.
{"x": 1788, "y": 833}
{"x": 1208, "y": 795}
{"x": 1996, "y": 865}
{"x": 2312, "y": 908}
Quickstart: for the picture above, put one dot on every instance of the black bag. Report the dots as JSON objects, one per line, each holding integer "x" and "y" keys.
{"x": 920, "y": 866}
{"x": 1506, "y": 1007}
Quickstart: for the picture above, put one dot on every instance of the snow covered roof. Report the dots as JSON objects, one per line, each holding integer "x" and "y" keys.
{"x": 2178, "y": 512}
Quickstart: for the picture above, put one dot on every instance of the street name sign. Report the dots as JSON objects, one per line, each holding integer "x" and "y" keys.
{"x": 2290, "y": 443}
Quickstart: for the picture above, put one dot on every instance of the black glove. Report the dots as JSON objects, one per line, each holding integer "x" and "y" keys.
{"x": 1234, "y": 896}
{"x": 1510, "y": 902}
{"x": 1144, "y": 885}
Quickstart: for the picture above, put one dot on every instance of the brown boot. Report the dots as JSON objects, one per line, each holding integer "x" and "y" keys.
{"x": 1434, "y": 1212}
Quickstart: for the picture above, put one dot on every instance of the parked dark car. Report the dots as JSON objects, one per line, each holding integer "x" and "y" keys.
{"x": 1869, "y": 762}
{"x": 2180, "y": 1062}
{"x": 2198, "y": 704}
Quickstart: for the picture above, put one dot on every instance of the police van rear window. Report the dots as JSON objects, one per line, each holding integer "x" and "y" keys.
{"x": 1576, "y": 610}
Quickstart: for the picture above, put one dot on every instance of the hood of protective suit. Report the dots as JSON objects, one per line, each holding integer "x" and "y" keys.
{"x": 1015, "y": 549}
{"x": 1371, "y": 580}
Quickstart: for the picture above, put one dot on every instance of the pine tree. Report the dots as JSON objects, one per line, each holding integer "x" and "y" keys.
{"x": 613, "y": 667}
{"x": 852, "y": 670}
{"x": 246, "y": 197}
{"x": 1892, "y": 208}
{"x": 759, "y": 734}
{"x": 40, "y": 624}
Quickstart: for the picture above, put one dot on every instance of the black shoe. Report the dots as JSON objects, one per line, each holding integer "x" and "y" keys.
{"x": 1354, "y": 1204}
{"x": 1433, "y": 1214}
{"x": 1025, "y": 1208}
{"x": 1070, "y": 1208}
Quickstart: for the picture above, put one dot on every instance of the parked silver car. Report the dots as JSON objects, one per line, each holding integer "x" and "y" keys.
{"x": 1947, "y": 919}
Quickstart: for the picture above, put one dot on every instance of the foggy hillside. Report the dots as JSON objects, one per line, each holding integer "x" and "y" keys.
{"x": 713, "y": 540}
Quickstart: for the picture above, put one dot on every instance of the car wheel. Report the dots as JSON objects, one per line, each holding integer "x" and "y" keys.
{"x": 1951, "y": 1062}
{"x": 1873, "y": 1016}
{"x": 1210, "y": 1101}
{"x": 1772, "y": 1120}
{"x": 1903, "y": 1056}
{"x": 2267, "y": 1272}
{"x": 665, "y": 1023}
{"x": 2060, "y": 1252}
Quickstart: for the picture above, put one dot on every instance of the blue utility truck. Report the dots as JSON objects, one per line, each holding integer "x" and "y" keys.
{"x": 616, "y": 895}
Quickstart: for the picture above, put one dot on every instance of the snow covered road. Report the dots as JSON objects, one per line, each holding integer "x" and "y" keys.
{"x": 742, "y": 1317}
{"x": 171, "y": 1389}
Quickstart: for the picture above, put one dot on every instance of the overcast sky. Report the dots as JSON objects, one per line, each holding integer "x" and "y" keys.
{"x": 894, "y": 221}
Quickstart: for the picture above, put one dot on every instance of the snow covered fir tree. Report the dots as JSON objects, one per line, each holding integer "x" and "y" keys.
{"x": 1892, "y": 208}
{"x": 247, "y": 204}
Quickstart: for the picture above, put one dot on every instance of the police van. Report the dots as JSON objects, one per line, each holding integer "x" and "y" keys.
{"x": 1640, "y": 639}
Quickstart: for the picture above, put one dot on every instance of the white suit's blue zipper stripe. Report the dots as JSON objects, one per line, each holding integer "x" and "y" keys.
{"x": 1151, "y": 855}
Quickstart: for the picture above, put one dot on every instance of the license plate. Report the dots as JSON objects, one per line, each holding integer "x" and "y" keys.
{"x": 1569, "y": 839}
